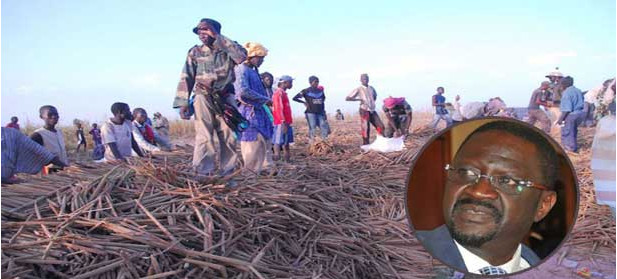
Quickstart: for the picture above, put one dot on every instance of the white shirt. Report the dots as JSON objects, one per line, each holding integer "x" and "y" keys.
{"x": 366, "y": 95}
{"x": 608, "y": 95}
{"x": 457, "y": 115}
{"x": 141, "y": 141}
{"x": 119, "y": 134}
{"x": 54, "y": 143}
{"x": 475, "y": 263}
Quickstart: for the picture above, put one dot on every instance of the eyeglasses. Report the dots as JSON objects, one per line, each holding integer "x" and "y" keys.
{"x": 505, "y": 184}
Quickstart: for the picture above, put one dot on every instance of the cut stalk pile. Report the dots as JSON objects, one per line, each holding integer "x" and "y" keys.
{"x": 338, "y": 215}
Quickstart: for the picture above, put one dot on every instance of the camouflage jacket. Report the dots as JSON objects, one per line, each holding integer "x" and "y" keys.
{"x": 208, "y": 70}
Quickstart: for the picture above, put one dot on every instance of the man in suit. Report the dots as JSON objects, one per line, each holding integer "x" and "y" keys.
{"x": 499, "y": 183}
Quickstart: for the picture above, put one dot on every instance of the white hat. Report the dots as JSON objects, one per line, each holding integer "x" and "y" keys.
{"x": 555, "y": 73}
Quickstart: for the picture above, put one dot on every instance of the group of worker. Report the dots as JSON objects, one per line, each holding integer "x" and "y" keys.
{"x": 220, "y": 77}
{"x": 568, "y": 107}
{"x": 44, "y": 150}
{"x": 221, "y": 87}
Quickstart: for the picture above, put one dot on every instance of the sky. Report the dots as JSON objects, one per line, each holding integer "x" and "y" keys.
{"x": 82, "y": 56}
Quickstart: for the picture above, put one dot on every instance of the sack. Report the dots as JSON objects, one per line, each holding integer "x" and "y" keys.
{"x": 384, "y": 145}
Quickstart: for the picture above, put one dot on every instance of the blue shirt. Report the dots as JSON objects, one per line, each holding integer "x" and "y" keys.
{"x": 572, "y": 100}
{"x": 20, "y": 154}
{"x": 252, "y": 95}
{"x": 440, "y": 100}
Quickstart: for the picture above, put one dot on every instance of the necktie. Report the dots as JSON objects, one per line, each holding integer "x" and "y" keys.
{"x": 492, "y": 270}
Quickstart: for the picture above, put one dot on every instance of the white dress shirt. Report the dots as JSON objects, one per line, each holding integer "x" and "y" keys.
{"x": 475, "y": 263}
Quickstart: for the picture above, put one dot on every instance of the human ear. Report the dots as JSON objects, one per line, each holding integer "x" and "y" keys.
{"x": 547, "y": 201}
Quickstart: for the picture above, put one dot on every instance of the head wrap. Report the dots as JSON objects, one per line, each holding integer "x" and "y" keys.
{"x": 255, "y": 49}
{"x": 391, "y": 102}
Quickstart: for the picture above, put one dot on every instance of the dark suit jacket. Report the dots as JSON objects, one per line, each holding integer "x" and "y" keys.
{"x": 440, "y": 244}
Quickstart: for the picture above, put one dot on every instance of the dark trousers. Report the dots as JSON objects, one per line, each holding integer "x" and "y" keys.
{"x": 400, "y": 123}
{"x": 570, "y": 130}
{"x": 367, "y": 118}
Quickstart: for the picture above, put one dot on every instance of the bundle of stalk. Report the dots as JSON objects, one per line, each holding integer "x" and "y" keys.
{"x": 332, "y": 216}
{"x": 151, "y": 219}
{"x": 324, "y": 148}
{"x": 595, "y": 226}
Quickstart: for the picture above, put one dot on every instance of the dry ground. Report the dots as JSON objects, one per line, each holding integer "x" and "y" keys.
{"x": 339, "y": 215}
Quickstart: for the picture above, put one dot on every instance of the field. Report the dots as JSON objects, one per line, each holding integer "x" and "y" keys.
{"x": 335, "y": 213}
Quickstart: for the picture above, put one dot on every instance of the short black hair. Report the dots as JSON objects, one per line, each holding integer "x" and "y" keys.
{"x": 14, "y": 117}
{"x": 118, "y": 107}
{"x": 46, "y": 107}
{"x": 138, "y": 110}
{"x": 548, "y": 155}
{"x": 313, "y": 78}
{"x": 567, "y": 81}
{"x": 440, "y": 87}
{"x": 266, "y": 74}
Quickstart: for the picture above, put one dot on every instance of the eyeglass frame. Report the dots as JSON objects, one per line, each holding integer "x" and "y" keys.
{"x": 520, "y": 183}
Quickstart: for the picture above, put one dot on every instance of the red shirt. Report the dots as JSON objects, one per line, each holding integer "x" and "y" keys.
{"x": 280, "y": 107}
{"x": 11, "y": 125}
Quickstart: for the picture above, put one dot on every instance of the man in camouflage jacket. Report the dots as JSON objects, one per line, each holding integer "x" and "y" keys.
{"x": 209, "y": 70}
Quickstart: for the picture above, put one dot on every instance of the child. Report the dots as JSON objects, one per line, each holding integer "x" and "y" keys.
{"x": 81, "y": 139}
{"x": 142, "y": 132}
{"x": 314, "y": 99}
{"x": 13, "y": 123}
{"x": 117, "y": 134}
{"x": 50, "y": 137}
{"x": 99, "y": 149}
{"x": 339, "y": 115}
{"x": 281, "y": 111}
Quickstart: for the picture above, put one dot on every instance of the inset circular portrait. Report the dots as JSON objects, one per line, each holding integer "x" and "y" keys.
{"x": 491, "y": 196}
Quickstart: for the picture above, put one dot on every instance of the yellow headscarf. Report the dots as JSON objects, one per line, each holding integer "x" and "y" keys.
{"x": 255, "y": 49}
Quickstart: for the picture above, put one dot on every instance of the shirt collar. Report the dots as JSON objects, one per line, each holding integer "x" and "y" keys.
{"x": 138, "y": 125}
{"x": 475, "y": 263}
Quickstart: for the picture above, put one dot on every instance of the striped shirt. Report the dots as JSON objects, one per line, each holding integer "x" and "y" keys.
{"x": 603, "y": 161}
{"x": 20, "y": 154}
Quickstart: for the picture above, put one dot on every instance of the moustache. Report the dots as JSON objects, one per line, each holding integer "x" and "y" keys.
{"x": 206, "y": 39}
{"x": 494, "y": 211}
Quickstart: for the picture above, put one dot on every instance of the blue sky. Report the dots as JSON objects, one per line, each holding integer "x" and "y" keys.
{"x": 82, "y": 56}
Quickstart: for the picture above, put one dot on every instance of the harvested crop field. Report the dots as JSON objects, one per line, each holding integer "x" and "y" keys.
{"x": 333, "y": 212}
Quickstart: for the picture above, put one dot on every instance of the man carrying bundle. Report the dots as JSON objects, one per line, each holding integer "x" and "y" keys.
{"x": 399, "y": 114}
{"x": 253, "y": 98}
{"x": 209, "y": 71}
